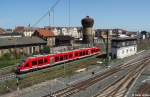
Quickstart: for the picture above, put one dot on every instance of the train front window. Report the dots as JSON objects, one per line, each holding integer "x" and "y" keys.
{"x": 27, "y": 65}
{"x": 22, "y": 61}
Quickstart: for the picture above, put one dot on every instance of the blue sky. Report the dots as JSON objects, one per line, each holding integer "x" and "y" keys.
{"x": 126, "y": 14}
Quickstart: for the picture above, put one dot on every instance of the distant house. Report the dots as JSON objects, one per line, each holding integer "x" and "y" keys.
{"x": 144, "y": 35}
{"x": 27, "y": 45}
{"x": 19, "y": 29}
{"x": 47, "y": 35}
{"x": 112, "y": 32}
{"x": 2, "y": 31}
{"x": 132, "y": 34}
{"x": 25, "y": 31}
{"x": 9, "y": 30}
{"x": 67, "y": 31}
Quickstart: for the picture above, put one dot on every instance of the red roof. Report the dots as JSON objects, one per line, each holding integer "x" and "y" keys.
{"x": 45, "y": 32}
{"x": 19, "y": 29}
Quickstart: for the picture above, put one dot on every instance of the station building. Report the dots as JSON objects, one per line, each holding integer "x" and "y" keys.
{"x": 123, "y": 47}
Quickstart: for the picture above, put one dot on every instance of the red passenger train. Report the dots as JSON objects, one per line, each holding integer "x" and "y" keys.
{"x": 41, "y": 61}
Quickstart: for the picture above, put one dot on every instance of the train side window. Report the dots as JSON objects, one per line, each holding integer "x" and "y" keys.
{"x": 92, "y": 51}
{"x": 86, "y": 52}
{"x": 45, "y": 60}
{"x": 83, "y": 53}
{"x": 65, "y": 57}
{"x": 80, "y": 53}
{"x": 96, "y": 50}
{"x": 61, "y": 58}
{"x": 27, "y": 65}
{"x": 40, "y": 61}
{"x": 34, "y": 62}
{"x": 76, "y": 54}
{"x": 56, "y": 59}
{"x": 70, "y": 55}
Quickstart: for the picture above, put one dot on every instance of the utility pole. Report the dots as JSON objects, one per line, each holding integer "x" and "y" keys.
{"x": 107, "y": 48}
{"x": 17, "y": 83}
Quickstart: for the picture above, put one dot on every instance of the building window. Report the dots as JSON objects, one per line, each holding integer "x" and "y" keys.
{"x": 130, "y": 50}
{"x": 127, "y": 50}
{"x": 123, "y": 43}
{"x": 127, "y": 43}
{"x": 122, "y": 51}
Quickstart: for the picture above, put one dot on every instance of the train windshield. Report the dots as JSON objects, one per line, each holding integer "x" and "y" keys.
{"x": 21, "y": 62}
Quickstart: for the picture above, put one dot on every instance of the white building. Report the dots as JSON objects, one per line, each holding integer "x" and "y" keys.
{"x": 28, "y": 33}
{"x": 123, "y": 47}
{"x": 68, "y": 31}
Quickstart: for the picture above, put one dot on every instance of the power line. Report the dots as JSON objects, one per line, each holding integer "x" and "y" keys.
{"x": 69, "y": 13}
{"x": 41, "y": 18}
{"x": 47, "y": 13}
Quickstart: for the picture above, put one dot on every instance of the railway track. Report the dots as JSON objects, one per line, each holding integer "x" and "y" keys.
{"x": 7, "y": 77}
{"x": 11, "y": 75}
{"x": 121, "y": 86}
{"x": 73, "y": 89}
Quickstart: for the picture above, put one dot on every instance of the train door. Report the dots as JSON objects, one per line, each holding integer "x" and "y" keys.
{"x": 51, "y": 60}
{"x": 34, "y": 63}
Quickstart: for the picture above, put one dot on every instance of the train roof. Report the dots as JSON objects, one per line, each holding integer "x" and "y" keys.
{"x": 34, "y": 56}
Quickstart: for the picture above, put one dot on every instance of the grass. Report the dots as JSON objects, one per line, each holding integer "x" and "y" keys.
{"x": 7, "y": 86}
{"x": 144, "y": 44}
{"x": 8, "y": 59}
{"x": 5, "y": 63}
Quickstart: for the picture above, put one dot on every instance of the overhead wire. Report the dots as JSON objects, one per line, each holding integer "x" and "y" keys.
{"x": 47, "y": 13}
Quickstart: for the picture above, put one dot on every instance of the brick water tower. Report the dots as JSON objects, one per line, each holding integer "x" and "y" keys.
{"x": 87, "y": 31}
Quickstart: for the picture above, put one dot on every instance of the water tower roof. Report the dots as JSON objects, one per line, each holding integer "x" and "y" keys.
{"x": 87, "y": 22}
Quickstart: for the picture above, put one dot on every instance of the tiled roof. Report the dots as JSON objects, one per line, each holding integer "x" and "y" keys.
{"x": 45, "y": 32}
{"x": 21, "y": 41}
